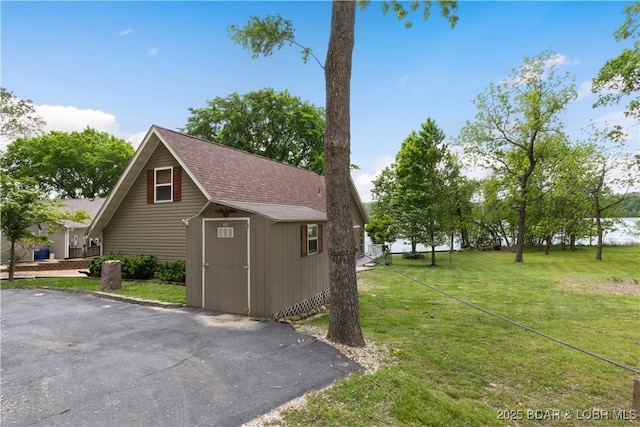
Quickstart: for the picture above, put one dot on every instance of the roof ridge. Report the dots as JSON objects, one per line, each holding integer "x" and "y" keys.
{"x": 235, "y": 149}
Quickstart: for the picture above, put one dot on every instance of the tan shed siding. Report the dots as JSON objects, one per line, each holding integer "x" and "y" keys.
{"x": 156, "y": 229}
{"x": 294, "y": 278}
{"x": 260, "y": 229}
{"x": 260, "y": 266}
{"x": 194, "y": 263}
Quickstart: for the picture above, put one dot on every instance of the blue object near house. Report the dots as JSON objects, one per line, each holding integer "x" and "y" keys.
{"x": 41, "y": 254}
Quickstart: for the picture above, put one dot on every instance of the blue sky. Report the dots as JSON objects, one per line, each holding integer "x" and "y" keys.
{"x": 123, "y": 66}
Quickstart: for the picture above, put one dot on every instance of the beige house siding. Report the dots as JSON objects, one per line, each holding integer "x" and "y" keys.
{"x": 294, "y": 277}
{"x": 57, "y": 246}
{"x": 358, "y": 228}
{"x": 139, "y": 228}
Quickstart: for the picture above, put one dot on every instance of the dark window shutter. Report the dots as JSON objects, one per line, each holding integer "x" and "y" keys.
{"x": 320, "y": 238}
{"x": 150, "y": 186}
{"x": 303, "y": 240}
{"x": 177, "y": 183}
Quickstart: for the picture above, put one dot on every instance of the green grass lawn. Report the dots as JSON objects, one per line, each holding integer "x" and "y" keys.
{"x": 142, "y": 289}
{"x": 457, "y": 366}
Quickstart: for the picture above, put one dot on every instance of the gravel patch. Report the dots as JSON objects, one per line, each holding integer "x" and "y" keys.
{"x": 617, "y": 286}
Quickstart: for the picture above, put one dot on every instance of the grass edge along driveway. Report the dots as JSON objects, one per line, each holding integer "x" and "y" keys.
{"x": 456, "y": 366}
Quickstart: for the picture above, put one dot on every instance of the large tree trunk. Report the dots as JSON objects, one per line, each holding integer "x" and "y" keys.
{"x": 548, "y": 245}
{"x": 12, "y": 260}
{"x": 572, "y": 242}
{"x": 521, "y": 229}
{"x": 344, "y": 313}
{"x": 522, "y": 214}
{"x": 433, "y": 239}
{"x": 599, "y": 230}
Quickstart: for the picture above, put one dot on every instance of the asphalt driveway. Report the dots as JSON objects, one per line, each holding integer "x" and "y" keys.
{"x": 79, "y": 360}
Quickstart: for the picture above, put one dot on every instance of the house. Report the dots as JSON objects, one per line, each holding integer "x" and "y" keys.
{"x": 68, "y": 242}
{"x": 252, "y": 230}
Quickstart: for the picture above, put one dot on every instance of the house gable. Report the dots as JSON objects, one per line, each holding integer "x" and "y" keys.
{"x": 141, "y": 226}
{"x": 173, "y": 176}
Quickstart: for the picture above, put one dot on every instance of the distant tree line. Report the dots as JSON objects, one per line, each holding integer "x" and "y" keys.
{"x": 543, "y": 185}
{"x": 631, "y": 206}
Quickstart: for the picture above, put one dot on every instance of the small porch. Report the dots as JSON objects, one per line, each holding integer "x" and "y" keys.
{"x": 84, "y": 252}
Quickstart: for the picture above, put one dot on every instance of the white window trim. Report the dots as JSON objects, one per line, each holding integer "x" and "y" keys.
{"x": 156, "y": 185}
{"x": 316, "y": 238}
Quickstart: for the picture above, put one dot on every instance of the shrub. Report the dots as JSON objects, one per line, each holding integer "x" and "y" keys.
{"x": 412, "y": 255}
{"x": 95, "y": 266}
{"x": 141, "y": 267}
{"x": 138, "y": 267}
{"x": 171, "y": 271}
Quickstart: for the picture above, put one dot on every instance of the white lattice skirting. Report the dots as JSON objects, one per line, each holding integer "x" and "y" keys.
{"x": 304, "y": 306}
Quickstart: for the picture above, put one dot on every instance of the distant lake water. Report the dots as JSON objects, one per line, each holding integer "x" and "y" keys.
{"x": 626, "y": 233}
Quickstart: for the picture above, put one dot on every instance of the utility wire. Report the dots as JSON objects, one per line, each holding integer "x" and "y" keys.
{"x": 513, "y": 322}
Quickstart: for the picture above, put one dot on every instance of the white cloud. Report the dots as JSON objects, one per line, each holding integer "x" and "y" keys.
{"x": 615, "y": 85}
{"x": 560, "y": 60}
{"x": 126, "y": 32}
{"x": 475, "y": 172}
{"x": 363, "y": 180}
{"x": 629, "y": 125}
{"x": 136, "y": 138}
{"x": 469, "y": 169}
{"x": 584, "y": 91}
{"x": 531, "y": 71}
{"x": 69, "y": 119}
{"x": 153, "y": 51}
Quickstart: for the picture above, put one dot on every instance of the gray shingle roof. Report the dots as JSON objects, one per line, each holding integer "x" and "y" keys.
{"x": 279, "y": 213}
{"x": 91, "y": 206}
{"x": 232, "y": 175}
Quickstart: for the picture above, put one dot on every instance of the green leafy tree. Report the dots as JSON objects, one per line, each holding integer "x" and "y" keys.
{"x": 631, "y": 206}
{"x": 611, "y": 173}
{"x": 561, "y": 197}
{"x": 417, "y": 190}
{"x": 383, "y": 231}
{"x": 23, "y": 207}
{"x": 83, "y": 164}
{"x": 272, "y": 124}
{"x": 17, "y": 117}
{"x": 620, "y": 76}
{"x": 495, "y": 216}
{"x": 462, "y": 216}
{"x": 517, "y": 120}
{"x": 261, "y": 36}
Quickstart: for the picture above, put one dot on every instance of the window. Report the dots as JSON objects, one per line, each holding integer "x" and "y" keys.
{"x": 164, "y": 184}
{"x": 310, "y": 239}
{"x": 225, "y": 232}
